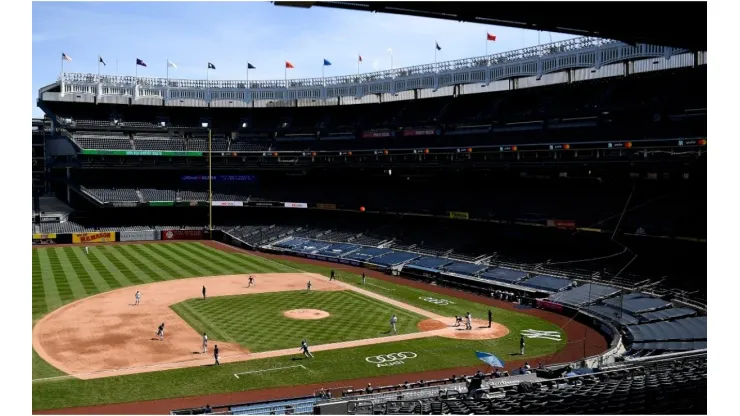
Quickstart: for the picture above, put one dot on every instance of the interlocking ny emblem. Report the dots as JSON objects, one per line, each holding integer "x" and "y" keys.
{"x": 441, "y": 302}
{"x": 394, "y": 358}
{"x": 533, "y": 333}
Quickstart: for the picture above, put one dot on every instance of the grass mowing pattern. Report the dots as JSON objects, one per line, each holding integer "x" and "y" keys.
{"x": 111, "y": 267}
{"x": 257, "y": 322}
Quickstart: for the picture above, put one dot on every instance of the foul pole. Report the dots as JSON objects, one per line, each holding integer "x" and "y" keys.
{"x": 210, "y": 188}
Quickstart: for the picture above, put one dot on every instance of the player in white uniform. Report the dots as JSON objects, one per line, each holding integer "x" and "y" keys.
{"x": 87, "y": 250}
{"x": 160, "y": 332}
{"x": 394, "y": 319}
{"x": 205, "y": 343}
{"x": 469, "y": 321}
{"x": 363, "y": 278}
{"x": 138, "y": 297}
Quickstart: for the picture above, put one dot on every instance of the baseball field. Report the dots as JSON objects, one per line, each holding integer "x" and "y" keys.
{"x": 94, "y": 346}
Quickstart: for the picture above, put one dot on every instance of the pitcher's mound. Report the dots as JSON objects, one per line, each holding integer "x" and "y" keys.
{"x": 480, "y": 329}
{"x": 306, "y": 314}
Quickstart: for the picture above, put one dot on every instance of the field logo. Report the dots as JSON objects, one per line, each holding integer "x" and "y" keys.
{"x": 440, "y": 302}
{"x": 394, "y": 358}
{"x": 533, "y": 333}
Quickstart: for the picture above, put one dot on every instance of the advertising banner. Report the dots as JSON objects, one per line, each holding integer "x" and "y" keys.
{"x": 149, "y": 235}
{"x": 295, "y": 205}
{"x": 265, "y": 204}
{"x": 328, "y": 207}
{"x": 44, "y": 236}
{"x": 183, "y": 235}
{"x": 138, "y": 153}
{"x": 459, "y": 215}
{"x": 549, "y": 306}
{"x": 376, "y": 134}
{"x": 567, "y": 224}
{"x": 227, "y": 203}
{"x": 101, "y": 237}
{"x": 419, "y": 132}
{"x": 161, "y": 203}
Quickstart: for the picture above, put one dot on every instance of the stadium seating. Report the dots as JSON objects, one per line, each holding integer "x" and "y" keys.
{"x": 113, "y": 195}
{"x": 102, "y": 140}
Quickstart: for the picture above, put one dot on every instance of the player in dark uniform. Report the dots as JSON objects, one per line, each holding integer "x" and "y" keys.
{"x": 363, "y": 277}
{"x": 160, "y": 332}
{"x": 251, "y": 282}
{"x": 331, "y": 276}
{"x": 215, "y": 354}
{"x": 204, "y": 293}
{"x": 490, "y": 318}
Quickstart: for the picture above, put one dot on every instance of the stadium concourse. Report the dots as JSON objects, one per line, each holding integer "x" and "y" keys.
{"x": 564, "y": 182}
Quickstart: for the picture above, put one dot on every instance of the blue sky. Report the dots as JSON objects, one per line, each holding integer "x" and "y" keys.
{"x": 229, "y": 34}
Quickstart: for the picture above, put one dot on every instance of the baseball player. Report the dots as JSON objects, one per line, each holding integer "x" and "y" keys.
{"x": 251, "y": 282}
{"x": 458, "y": 320}
{"x": 309, "y": 285}
{"x": 87, "y": 250}
{"x": 204, "y": 293}
{"x": 137, "y": 296}
{"x": 215, "y": 354}
{"x": 331, "y": 275}
{"x": 394, "y": 319}
{"x": 304, "y": 349}
{"x": 490, "y": 318}
{"x": 364, "y": 279}
{"x": 468, "y": 321}
{"x": 205, "y": 343}
{"x": 521, "y": 345}
{"x": 160, "y": 332}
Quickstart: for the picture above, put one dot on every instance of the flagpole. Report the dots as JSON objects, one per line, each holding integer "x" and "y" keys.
{"x": 358, "y": 65}
{"x": 486, "y": 44}
{"x": 322, "y": 73}
{"x": 116, "y": 67}
{"x": 435, "y": 54}
{"x": 167, "y": 64}
{"x": 98, "y": 68}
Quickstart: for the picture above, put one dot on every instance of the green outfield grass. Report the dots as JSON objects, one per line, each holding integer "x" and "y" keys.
{"x": 257, "y": 323}
{"x": 64, "y": 274}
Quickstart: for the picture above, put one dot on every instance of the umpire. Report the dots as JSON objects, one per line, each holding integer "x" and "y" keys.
{"x": 331, "y": 277}
{"x": 490, "y": 318}
{"x": 521, "y": 345}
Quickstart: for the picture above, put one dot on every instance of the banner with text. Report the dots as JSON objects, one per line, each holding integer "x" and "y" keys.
{"x": 426, "y": 132}
{"x": 44, "y": 236}
{"x": 459, "y": 215}
{"x": 161, "y": 203}
{"x": 295, "y": 205}
{"x": 138, "y": 153}
{"x": 376, "y": 134}
{"x": 149, "y": 235}
{"x": 328, "y": 207}
{"x": 183, "y": 235}
{"x": 567, "y": 224}
{"x": 227, "y": 203}
{"x": 102, "y": 237}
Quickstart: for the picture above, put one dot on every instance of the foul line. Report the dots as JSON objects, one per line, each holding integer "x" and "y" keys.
{"x": 269, "y": 369}
{"x": 370, "y": 284}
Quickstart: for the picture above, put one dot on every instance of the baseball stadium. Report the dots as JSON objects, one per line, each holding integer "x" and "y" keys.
{"x": 495, "y": 234}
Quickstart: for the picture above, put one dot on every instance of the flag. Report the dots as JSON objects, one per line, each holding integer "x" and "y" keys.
{"x": 100, "y": 59}
{"x": 437, "y": 45}
{"x": 211, "y": 66}
{"x": 66, "y": 58}
{"x": 171, "y": 64}
{"x": 250, "y": 66}
{"x": 140, "y": 62}
{"x": 359, "y": 58}
{"x": 326, "y": 63}
{"x": 490, "y": 37}
{"x": 288, "y": 65}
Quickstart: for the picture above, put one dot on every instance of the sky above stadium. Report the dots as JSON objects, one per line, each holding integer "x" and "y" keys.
{"x": 230, "y": 34}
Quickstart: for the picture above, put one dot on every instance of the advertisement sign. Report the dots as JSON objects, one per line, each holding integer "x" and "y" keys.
{"x": 227, "y": 203}
{"x": 149, "y": 235}
{"x": 567, "y": 224}
{"x": 183, "y": 235}
{"x": 376, "y": 134}
{"x": 550, "y": 306}
{"x": 459, "y": 215}
{"x": 44, "y": 236}
{"x": 138, "y": 153}
{"x": 295, "y": 205}
{"x": 328, "y": 207}
{"x": 101, "y": 237}
{"x": 161, "y": 203}
{"x": 418, "y": 132}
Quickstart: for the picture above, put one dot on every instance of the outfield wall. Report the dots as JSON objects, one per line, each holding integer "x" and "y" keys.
{"x": 118, "y": 236}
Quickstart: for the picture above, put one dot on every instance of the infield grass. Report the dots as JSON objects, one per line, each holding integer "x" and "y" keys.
{"x": 257, "y": 323}
{"x": 64, "y": 274}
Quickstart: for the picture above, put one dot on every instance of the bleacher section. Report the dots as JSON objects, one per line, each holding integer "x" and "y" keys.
{"x": 430, "y": 262}
{"x": 503, "y": 275}
{"x": 393, "y": 258}
{"x": 465, "y": 268}
{"x": 636, "y": 303}
{"x": 102, "y": 140}
{"x": 584, "y": 295}
{"x": 669, "y": 335}
{"x": 551, "y": 283}
{"x": 114, "y": 195}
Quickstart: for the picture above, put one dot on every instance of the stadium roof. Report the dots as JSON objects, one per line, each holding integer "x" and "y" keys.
{"x": 677, "y": 24}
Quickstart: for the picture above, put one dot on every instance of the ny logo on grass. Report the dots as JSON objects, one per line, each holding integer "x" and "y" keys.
{"x": 533, "y": 333}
